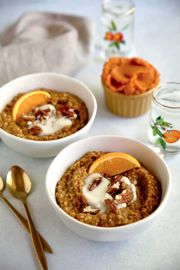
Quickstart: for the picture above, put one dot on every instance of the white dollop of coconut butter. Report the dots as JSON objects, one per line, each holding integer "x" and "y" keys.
{"x": 52, "y": 123}
{"x": 96, "y": 197}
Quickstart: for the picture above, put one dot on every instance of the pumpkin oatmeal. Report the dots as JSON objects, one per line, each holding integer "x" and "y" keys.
{"x": 107, "y": 200}
{"x": 54, "y": 116}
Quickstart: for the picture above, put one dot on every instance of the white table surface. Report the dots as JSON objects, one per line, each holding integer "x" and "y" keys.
{"x": 157, "y": 39}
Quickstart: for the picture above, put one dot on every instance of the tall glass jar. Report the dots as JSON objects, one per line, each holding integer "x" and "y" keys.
{"x": 117, "y": 27}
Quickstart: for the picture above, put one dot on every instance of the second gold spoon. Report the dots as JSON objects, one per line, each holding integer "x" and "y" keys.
{"x": 21, "y": 219}
{"x": 19, "y": 185}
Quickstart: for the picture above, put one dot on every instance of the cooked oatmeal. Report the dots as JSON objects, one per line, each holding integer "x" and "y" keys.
{"x": 63, "y": 115}
{"x": 103, "y": 200}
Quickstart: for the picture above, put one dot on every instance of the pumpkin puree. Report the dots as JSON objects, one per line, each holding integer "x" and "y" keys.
{"x": 129, "y": 76}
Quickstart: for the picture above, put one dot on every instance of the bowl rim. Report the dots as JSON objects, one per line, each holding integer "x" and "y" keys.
{"x": 63, "y": 139}
{"x": 121, "y": 227}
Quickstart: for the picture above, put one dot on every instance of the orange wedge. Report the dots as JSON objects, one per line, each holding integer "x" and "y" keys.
{"x": 28, "y": 101}
{"x": 114, "y": 163}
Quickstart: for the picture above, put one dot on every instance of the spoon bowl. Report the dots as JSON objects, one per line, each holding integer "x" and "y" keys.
{"x": 18, "y": 182}
{"x": 1, "y": 185}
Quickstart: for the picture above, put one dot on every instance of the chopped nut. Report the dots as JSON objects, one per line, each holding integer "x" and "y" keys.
{"x": 114, "y": 187}
{"x": 95, "y": 183}
{"x": 38, "y": 113}
{"x": 63, "y": 108}
{"x": 70, "y": 114}
{"x": 125, "y": 197}
{"x": 42, "y": 114}
{"x": 112, "y": 190}
{"x": 116, "y": 178}
{"x": 35, "y": 130}
{"x": 111, "y": 205}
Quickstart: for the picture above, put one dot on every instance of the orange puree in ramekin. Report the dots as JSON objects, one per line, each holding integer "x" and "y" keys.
{"x": 129, "y": 76}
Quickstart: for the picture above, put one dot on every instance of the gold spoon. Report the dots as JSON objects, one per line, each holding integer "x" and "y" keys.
{"x": 21, "y": 219}
{"x": 19, "y": 185}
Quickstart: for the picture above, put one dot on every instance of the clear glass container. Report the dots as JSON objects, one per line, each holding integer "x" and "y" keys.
{"x": 164, "y": 122}
{"x": 117, "y": 27}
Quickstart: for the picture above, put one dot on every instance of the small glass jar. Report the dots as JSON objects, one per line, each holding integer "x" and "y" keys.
{"x": 117, "y": 27}
{"x": 164, "y": 123}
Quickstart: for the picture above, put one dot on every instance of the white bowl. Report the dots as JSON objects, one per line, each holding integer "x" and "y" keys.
{"x": 52, "y": 81}
{"x": 73, "y": 152}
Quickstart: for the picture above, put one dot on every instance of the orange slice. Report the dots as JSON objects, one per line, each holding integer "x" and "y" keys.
{"x": 114, "y": 163}
{"x": 171, "y": 136}
{"x": 28, "y": 101}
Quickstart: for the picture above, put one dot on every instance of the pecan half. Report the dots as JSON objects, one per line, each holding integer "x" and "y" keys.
{"x": 80, "y": 204}
{"x": 111, "y": 205}
{"x": 35, "y": 130}
{"x": 95, "y": 183}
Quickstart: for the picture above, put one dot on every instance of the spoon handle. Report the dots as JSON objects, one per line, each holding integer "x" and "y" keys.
{"x": 36, "y": 240}
{"x": 24, "y": 222}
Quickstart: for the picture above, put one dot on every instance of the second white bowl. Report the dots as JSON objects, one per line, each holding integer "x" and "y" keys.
{"x": 73, "y": 152}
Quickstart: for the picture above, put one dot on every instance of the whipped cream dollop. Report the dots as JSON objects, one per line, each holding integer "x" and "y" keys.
{"x": 50, "y": 122}
{"x": 95, "y": 191}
